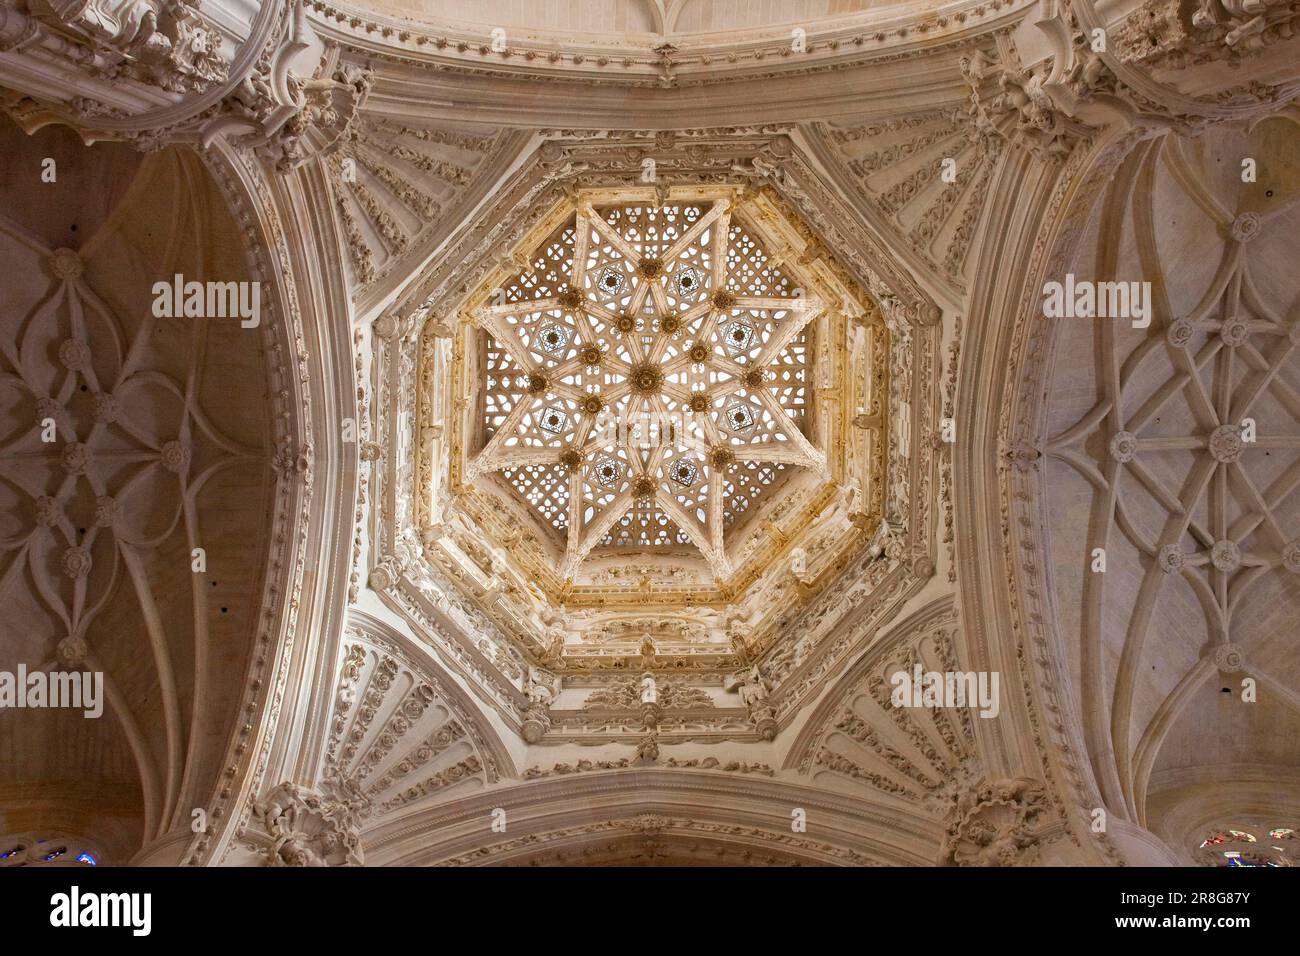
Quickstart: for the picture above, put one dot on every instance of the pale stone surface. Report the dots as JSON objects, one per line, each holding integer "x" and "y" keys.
{"x": 340, "y": 623}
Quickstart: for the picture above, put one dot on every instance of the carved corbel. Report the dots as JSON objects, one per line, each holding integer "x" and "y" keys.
{"x": 384, "y": 575}
{"x": 541, "y": 688}
{"x": 1008, "y": 101}
{"x": 286, "y": 118}
{"x": 307, "y": 827}
{"x": 292, "y": 122}
{"x": 1068, "y": 97}
{"x": 393, "y": 326}
{"x": 997, "y": 823}
{"x": 647, "y": 749}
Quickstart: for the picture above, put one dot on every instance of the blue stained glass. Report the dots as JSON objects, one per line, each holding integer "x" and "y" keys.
{"x": 554, "y": 338}
{"x": 687, "y": 282}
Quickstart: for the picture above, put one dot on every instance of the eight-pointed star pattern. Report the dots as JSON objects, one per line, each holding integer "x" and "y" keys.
{"x": 646, "y": 377}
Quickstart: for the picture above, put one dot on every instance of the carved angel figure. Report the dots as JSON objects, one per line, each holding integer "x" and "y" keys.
{"x": 541, "y": 687}
{"x": 753, "y": 687}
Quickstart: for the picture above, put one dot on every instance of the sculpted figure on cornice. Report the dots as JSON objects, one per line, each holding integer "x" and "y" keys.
{"x": 1181, "y": 34}
{"x": 164, "y": 43}
{"x": 287, "y": 114}
{"x": 309, "y": 828}
{"x": 755, "y": 693}
{"x": 997, "y": 823}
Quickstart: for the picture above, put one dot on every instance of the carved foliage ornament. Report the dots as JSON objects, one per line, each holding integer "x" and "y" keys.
{"x": 286, "y": 118}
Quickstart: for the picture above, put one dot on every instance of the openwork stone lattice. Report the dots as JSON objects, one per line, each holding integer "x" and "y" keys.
{"x": 638, "y": 369}
{"x": 653, "y": 426}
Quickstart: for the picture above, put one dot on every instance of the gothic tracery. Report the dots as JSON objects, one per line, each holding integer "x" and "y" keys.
{"x": 647, "y": 379}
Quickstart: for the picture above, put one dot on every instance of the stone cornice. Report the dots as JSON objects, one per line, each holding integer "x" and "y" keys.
{"x": 659, "y": 61}
{"x": 100, "y": 86}
{"x": 891, "y": 832}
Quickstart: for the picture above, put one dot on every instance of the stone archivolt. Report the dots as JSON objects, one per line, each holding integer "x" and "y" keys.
{"x": 1146, "y": 724}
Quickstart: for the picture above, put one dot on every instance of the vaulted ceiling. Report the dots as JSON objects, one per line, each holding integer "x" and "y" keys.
{"x": 158, "y": 462}
{"x": 1173, "y": 448}
{"x": 437, "y": 618}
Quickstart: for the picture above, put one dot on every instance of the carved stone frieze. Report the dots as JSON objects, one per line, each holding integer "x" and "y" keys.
{"x": 647, "y": 828}
{"x": 631, "y": 693}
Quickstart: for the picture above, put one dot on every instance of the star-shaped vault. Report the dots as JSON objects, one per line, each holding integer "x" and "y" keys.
{"x": 646, "y": 377}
